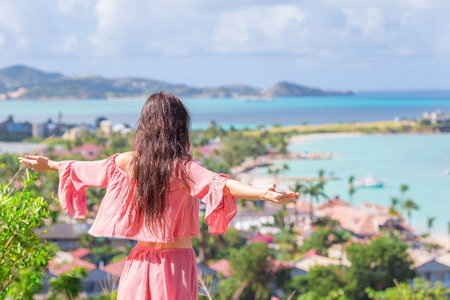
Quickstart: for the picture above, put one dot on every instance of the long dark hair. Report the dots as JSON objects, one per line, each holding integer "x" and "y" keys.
{"x": 161, "y": 150}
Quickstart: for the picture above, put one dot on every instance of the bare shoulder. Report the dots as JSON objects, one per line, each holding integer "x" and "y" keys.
{"x": 123, "y": 160}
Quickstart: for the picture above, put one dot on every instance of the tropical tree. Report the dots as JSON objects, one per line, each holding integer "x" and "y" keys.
{"x": 351, "y": 188}
{"x": 409, "y": 205}
{"x": 393, "y": 213}
{"x": 252, "y": 271}
{"x": 430, "y": 222}
{"x": 448, "y": 231}
{"x": 403, "y": 189}
{"x": 377, "y": 265}
{"x": 67, "y": 285}
{"x": 321, "y": 172}
{"x": 314, "y": 190}
{"x": 421, "y": 289}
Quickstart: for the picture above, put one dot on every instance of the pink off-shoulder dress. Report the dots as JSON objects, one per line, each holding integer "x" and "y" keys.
{"x": 149, "y": 273}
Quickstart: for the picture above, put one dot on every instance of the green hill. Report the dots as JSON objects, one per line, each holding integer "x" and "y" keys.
{"x": 44, "y": 85}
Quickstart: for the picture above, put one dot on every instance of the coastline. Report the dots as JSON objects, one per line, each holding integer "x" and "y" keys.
{"x": 298, "y": 139}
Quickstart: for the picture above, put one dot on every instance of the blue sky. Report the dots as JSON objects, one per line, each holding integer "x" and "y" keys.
{"x": 345, "y": 44}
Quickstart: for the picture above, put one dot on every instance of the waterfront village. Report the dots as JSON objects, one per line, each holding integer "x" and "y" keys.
{"x": 314, "y": 235}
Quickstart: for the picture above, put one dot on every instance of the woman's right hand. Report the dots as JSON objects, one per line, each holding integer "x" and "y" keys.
{"x": 276, "y": 197}
{"x": 39, "y": 163}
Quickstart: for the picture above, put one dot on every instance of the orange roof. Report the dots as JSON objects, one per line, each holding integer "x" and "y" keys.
{"x": 303, "y": 206}
{"x": 116, "y": 267}
{"x": 335, "y": 201}
{"x": 69, "y": 266}
{"x": 80, "y": 252}
{"x": 222, "y": 266}
{"x": 277, "y": 264}
{"x": 357, "y": 220}
{"x": 312, "y": 252}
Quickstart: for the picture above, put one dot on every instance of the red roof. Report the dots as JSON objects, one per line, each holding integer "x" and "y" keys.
{"x": 266, "y": 239}
{"x": 277, "y": 264}
{"x": 69, "y": 266}
{"x": 312, "y": 252}
{"x": 116, "y": 267}
{"x": 80, "y": 252}
{"x": 222, "y": 266}
{"x": 335, "y": 201}
{"x": 206, "y": 150}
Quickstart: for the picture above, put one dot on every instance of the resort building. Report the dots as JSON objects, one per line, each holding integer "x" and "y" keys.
{"x": 364, "y": 221}
{"x": 436, "y": 117}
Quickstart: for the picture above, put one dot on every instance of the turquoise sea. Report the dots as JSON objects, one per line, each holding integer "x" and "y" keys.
{"x": 418, "y": 160}
{"x": 233, "y": 111}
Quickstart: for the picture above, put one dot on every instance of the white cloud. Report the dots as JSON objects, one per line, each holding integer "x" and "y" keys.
{"x": 368, "y": 21}
{"x": 303, "y": 34}
{"x": 260, "y": 29}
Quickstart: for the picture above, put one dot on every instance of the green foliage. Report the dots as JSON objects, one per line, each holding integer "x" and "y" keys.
{"x": 421, "y": 289}
{"x": 215, "y": 165}
{"x": 287, "y": 239}
{"x": 21, "y": 250}
{"x": 319, "y": 281}
{"x": 252, "y": 273}
{"x": 27, "y": 283}
{"x": 377, "y": 265}
{"x": 67, "y": 285}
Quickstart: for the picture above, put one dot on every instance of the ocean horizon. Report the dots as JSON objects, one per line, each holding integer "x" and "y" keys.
{"x": 235, "y": 112}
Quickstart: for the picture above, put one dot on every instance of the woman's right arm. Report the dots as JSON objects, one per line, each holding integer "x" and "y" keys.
{"x": 39, "y": 163}
{"x": 245, "y": 191}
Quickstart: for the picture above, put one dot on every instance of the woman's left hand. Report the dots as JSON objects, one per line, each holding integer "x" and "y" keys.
{"x": 39, "y": 163}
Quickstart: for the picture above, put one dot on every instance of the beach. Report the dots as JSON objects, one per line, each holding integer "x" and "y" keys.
{"x": 307, "y": 137}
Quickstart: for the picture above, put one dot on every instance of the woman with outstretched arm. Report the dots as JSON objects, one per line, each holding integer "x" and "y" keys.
{"x": 151, "y": 196}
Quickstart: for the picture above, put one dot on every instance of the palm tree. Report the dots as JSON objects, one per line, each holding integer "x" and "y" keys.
{"x": 430, "y": 222}
{"x": 393, "y": 212}
{"x": 448, "y": 231}
{"x": 298, "y": 188}
{"x": 321, "y": 173}
{"x": 314, "y": 191}
{"x": 403, "y": 189}
{"x": 351, "y": 188}
{"x": 409, "y": 205}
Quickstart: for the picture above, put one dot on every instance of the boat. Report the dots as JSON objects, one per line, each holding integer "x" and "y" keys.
{"x": 447, "y": 171}
{"x": 368, "y": 181}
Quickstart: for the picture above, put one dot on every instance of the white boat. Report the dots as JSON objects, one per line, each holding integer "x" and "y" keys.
{"x": 447, "y": 171}
{"x": 368, "y": 181}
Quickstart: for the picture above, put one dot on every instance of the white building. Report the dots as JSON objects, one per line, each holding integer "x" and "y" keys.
{"x": 436, "y": 117}
{"x": 435, "y": 269}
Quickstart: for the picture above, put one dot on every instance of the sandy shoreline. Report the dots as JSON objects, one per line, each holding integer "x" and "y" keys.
{"x": 298, "y": 139}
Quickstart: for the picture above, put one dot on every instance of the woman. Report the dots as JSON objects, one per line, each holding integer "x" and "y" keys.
{"x": 151, "y": 196}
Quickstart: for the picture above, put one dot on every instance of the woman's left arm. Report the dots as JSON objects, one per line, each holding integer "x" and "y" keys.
{"x": 39, "y": 163}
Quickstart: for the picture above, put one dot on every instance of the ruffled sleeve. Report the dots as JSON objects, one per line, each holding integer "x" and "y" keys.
{"x": 210, "y": 187}
{"x": 74, "y": 177}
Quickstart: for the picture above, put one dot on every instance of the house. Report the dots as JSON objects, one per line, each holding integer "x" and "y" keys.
{"x": 65, "y": 261}
{"x": 436, "y": 117}
{"x": 13, "y": 130}
{"x": 71, "y": 134}
{"x": 435, "y": 269}
{"x": 66, "y": 236}
{"x": 221, "y": 266}
{"x": 314, "y": 258}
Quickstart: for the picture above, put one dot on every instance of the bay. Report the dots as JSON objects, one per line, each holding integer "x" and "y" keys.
{"x": 418, "y": 160}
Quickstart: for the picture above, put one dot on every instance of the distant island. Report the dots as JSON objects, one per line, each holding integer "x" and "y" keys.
{"x": 22, "y": 82}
